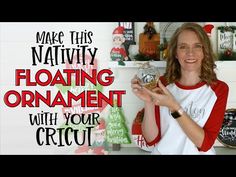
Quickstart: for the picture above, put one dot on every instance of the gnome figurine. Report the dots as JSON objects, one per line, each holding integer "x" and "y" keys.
{"x": 100, "y": 145}
{"x": 118, "y": 52}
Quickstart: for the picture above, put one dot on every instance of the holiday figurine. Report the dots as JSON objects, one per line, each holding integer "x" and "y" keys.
{"x": 149, "y": 44}
{"x": 100, "y": 145}
{"x": 118, "y": 52}
{"x": 208, "y": 29}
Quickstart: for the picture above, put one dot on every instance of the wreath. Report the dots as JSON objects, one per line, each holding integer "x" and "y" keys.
{"x": 227, "y": 55}
{"x": 226, "y": 28}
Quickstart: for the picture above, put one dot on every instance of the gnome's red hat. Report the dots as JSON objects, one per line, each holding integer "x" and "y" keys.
{"x": 119, "y": 30}
{"x": 208, "y": 28}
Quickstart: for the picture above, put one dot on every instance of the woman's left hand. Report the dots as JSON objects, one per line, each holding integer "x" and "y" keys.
{"x": 161, "y": 96}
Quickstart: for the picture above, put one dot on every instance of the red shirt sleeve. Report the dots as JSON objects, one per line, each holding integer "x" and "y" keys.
{"x": 214, "y": 123}
{"x": 157, "y": 139}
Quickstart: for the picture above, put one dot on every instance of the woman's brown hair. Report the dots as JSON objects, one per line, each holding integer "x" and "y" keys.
{"x": 173, "y": 72}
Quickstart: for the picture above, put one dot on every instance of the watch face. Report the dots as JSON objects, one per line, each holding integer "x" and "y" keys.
{"x": 175, "y": 114}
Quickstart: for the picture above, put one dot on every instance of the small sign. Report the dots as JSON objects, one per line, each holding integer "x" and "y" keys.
{"x": 128, "y": 32}
{"x": 117, "y": 131}
{"x": 234, "y": 41}
{"x": 227, "y": 134}
{"x": 225, "y": 38}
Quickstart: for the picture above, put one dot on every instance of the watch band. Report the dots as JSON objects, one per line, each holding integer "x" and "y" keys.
{"x": 178, "y": 113}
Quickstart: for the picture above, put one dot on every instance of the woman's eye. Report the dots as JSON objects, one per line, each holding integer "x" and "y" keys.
{"x": 198, "y": 46}
{"x": 183, "y": 47}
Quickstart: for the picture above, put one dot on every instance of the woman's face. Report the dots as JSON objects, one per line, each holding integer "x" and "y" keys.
{"x": 189, "y": 51}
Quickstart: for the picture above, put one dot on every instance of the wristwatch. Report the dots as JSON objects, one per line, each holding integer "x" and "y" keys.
{"x": 177, "y": 114}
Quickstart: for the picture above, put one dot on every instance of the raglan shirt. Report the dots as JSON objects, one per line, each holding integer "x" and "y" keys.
{"x": 205, "y": 104}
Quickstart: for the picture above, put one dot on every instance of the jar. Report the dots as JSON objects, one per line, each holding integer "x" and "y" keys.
{"x": 148, "y": 75}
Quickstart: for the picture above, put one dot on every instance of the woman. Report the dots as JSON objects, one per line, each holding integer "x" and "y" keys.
{"x": 184, "y": 114}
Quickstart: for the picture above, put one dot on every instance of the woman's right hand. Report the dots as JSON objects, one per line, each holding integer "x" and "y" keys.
{"x": 139, "y": 91}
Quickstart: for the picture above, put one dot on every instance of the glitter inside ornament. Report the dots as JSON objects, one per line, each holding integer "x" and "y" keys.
{"x": 148, "y": 76}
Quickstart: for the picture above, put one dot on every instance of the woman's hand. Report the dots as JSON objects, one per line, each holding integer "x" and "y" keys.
{"x": 139, "y": 90}
{"x": 162, "y": 97}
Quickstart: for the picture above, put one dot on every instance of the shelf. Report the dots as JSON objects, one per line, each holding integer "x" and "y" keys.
{"x": 136, "y": 64}
{"x": 222, "y": 64}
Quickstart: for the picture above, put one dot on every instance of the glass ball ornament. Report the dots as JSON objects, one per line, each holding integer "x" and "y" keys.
{"x": 148, "y": 75}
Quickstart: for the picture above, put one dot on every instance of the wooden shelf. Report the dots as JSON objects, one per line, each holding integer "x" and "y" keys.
{"x": 136, "y": 64}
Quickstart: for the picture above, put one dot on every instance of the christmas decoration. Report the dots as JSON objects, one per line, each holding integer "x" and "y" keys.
{"x": 117, "y": 132}
{"x": 149, "y": 42}
{"x": 149, "y": 30}
{"x": 227, "y": 55}
{"x": 137, "y": 132}
{"x": 227, "y": 134}
{"x": 99, "y": 145}
{"x": 118, "y": 52}
{"x": 228, "y": 52}
{"x": 208, "y": 29}
{"x": 129, "y": 34}
{"x": 226, "y": 43}
{"x": 227, "y": 28}
{"x": 148, "y": 75}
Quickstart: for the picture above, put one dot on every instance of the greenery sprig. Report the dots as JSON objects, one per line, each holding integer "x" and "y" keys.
{"x": 226, "y": 28}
